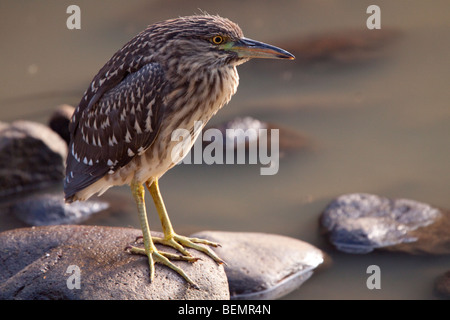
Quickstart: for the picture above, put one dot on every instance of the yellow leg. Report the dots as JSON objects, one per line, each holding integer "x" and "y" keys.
{"x": 170, "y": 237}
{"x": 154, "y": 256}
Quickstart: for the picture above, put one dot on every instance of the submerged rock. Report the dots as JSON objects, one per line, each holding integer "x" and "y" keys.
{"x": 44, "y": 262}
{"x": 360, "y": 223}
{"x": 346, "y": 47}
{"x": 50, "y": 209}
{"x": 334, "y": 49}
{"x": 264, "y": 266}
{"x": 241, "y": 132}
{"x": 31, "y": 156}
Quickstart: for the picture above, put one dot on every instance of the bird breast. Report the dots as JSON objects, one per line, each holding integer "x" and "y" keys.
{"x": 188, "y": 105}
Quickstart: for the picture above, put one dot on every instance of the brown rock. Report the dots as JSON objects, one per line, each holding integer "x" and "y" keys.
{"x": 35, "y": 261}
{"x": 31, "y": 156}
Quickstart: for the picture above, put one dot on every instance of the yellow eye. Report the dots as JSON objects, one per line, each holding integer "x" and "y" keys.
{"x": 217, "y": 39}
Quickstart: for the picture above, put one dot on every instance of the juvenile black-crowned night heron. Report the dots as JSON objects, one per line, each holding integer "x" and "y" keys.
{"x": 170, "y": 75}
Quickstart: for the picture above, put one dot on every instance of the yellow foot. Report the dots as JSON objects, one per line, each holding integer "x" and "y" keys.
{"x": 179, "y": 242}
{"x": 163, "y": 258}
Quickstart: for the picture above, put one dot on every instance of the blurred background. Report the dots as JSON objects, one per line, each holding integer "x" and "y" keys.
{"x": 372, "y": 106}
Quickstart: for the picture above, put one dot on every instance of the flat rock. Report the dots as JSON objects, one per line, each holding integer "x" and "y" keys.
{"x": 264, "y": 266}
{"x": 31, "y": 156}
{"x": 38, "y": 263}
{"x": 361, "y": 223}
{"x": 50, "y": 209}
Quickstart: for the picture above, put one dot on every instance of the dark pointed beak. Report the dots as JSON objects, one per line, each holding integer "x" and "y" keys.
{"x": 248, "y": 48}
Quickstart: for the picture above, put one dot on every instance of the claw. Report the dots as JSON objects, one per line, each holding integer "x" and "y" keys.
{"x": 195, "y": 286}
{"x": 180, "y": 242}
{"x": 163, "y": 258}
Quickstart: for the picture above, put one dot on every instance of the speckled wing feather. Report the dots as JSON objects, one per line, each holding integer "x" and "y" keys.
{"x": 118, "y": 122}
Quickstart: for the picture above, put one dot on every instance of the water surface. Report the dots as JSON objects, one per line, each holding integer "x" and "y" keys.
{"x": 376, "y": 123}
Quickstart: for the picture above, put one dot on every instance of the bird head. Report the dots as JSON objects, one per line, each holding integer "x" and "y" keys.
{"x": 207, "y": 40}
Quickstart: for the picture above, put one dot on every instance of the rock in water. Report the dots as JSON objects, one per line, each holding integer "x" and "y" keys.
{"x": 31, "y": 156}
{"x": 264, "y": 266}
{"x": 59, "y": 121}
{"x": 360, "y": 223}
{"x": 241, "y": 132}
{"x": 50, "y": 262}
{"x": 50, "y": 209}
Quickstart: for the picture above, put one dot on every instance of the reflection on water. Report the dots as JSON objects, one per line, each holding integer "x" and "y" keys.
{"x": 377, "y": 114}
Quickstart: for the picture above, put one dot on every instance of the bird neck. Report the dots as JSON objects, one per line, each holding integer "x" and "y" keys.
{"x": 199, "y": 94}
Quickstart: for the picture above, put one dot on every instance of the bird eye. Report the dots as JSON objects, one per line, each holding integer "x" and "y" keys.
{"x": 217, "y": 39}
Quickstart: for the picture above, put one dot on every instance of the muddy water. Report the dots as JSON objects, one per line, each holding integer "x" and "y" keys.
{"x": 376, "y": 113}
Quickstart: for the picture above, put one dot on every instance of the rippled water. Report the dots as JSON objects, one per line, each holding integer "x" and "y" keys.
{"x": 376, "y": 116}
